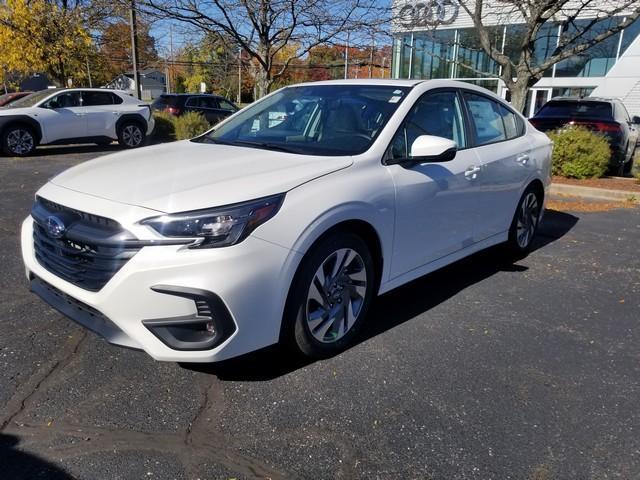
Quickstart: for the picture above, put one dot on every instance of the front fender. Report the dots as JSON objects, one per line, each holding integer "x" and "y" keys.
{"x": 362, "y": 193}
{"x": 7, "y": 120}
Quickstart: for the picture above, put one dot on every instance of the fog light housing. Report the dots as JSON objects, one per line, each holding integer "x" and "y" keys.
{"x": 208, "y": 328}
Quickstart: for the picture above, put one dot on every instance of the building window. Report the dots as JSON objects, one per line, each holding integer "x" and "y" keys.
{"x": 545, "y": 43}
{"x": 472, "y": 60}
{"x": 596, "y": 61}
{"x": 629, "y": 35}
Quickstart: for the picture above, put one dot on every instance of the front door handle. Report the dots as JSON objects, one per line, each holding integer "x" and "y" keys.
{"x": 523, "y": 158}
{"x": 471, "y": 173}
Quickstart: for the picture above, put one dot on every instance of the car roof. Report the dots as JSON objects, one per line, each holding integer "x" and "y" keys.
{"x": 583, "y": 99}
{"x": 84, "y": 89}
{"x": 191, "y": 95}
{"x": 366, "y": 81}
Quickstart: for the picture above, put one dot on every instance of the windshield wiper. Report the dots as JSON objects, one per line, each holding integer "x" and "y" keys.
{"x": 245, "y": 143}
{"x": 266, "y": 145}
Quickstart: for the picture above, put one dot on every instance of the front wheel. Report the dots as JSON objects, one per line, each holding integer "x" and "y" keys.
{"x": 131, "y": 135}
{"x": 330, "y": 296}
{"x": 18, "y": 140}
{"x": 525, "y": 222}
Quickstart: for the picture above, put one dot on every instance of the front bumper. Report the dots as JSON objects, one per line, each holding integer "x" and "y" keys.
{"x": 250, "y": 279}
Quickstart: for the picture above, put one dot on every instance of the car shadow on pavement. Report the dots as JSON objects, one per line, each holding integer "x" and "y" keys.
{"x": 398, "y": 306}
{"x": 19, "y": 465}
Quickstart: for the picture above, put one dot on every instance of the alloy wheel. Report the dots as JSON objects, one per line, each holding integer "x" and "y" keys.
{"x": 336, "y": 295}
{"x": 132, "y": 135}
{"x": 527, "y": 222}
{"x": 20, "y": 141}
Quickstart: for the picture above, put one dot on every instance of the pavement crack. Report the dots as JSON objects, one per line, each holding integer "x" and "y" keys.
{"x": 196, "y": 418}
{"x": 18, "y": 403}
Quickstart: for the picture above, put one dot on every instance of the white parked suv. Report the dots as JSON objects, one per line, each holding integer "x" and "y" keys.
{"x": 77, "y": 115}
{"x": 284, "y": 221}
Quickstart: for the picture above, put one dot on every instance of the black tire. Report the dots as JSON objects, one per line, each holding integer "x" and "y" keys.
{"x": 343, "y": 294}
{"x": 18, "y": 140}
{"x": 629, "y": 165}
{"x": 131, "y": 134}
{"x": 526, "y": 220}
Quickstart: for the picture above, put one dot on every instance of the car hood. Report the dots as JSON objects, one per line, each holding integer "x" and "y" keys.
{"x": 185, "y": 175}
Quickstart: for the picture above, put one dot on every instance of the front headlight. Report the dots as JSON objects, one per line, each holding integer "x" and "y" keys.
{"x": 217, "y": 227}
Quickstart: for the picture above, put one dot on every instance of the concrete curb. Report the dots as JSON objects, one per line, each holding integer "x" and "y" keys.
{"x": 595, "y": 193}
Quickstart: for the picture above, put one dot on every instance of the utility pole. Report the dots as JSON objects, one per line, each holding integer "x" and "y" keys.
{"x": 373, "y": 45}
{"x": 134, "y": 49}
{"x": 239, "y": 100}
{"x": 169, "y": 68}
{"x": 166, "y": 77}
{"x": 89, "y": 73}
{"x": 346, "y": 58}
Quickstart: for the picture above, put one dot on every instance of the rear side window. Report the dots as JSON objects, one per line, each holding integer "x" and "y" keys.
{"x": 224, "y": 105}
{"x": 487, "y": 121}
{"x": 164, "y": 101}
{"x": 513, "y": 125}
{"x": 91, "y": 99}
{"x": 208, "y": 102}
{"x": 567, "y": 108}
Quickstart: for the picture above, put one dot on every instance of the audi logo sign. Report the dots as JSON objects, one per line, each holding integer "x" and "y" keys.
{"x": 429, "y": 13}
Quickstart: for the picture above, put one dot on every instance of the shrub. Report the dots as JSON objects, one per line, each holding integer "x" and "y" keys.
{"x": 190, "y": 125}
{"x": 164, "y": 129}
{"x": 579, "y": 153}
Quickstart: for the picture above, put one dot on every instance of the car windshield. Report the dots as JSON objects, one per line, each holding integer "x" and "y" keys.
{"x": 31, "y": 100}
{"x": 576, "y": 109}
{"x": 329, "y": 120}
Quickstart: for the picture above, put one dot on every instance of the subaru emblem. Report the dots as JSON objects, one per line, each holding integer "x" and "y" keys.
{"x": 55, "y": 226}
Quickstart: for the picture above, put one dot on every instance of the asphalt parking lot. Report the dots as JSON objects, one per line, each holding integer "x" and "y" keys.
{"x": 484, "y": 370}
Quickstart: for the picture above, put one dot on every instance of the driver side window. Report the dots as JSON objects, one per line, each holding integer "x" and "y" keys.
{"x": 438, "y": 114}
{"x": 63, "y": 100}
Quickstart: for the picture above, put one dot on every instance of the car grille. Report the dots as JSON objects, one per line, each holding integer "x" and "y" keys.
{"x": 88, "y": 252}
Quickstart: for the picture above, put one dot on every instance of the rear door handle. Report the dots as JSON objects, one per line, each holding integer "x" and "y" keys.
{"x": 523, "y": 158}
{"x": 471, "y": 173}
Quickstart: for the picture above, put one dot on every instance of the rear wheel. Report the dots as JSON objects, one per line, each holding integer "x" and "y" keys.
{"x": 330, "y": 296}
{"x": 629, "y": 165}
{"x": 525, "y": 222}
{"x": 131, "y": 135}
{"x": 18, "y": 140}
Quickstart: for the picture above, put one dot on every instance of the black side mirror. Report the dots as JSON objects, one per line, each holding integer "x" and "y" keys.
{"x": 635, "y": 119}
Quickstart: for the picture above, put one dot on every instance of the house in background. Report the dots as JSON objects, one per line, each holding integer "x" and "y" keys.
{"x": 152, "y": 82}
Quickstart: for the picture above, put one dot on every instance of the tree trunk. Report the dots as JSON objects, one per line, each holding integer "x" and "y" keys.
{"x": 518, "y": 92}
{"x": 263, "y": 82}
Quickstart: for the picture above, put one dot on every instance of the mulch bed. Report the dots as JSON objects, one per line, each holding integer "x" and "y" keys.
{"x": 611, "y": 183}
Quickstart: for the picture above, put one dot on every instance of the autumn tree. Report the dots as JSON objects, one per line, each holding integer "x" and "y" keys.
{"x": 212, "y": 60}
{"x": 115, "y": 47}
{"x": 41, "y": 36}
{"x": 264, "y": 28}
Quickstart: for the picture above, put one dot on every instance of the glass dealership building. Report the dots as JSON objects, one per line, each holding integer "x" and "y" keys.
{"x": 436, "y": 39}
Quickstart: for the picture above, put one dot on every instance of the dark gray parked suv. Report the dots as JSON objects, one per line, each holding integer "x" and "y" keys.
{"x": 213, "y": 107}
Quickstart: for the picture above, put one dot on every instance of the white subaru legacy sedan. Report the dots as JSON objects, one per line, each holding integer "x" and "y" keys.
{"x": 283, "y": 222}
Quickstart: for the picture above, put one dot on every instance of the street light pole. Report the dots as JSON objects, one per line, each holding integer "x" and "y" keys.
{"x": 134, "y": 49}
